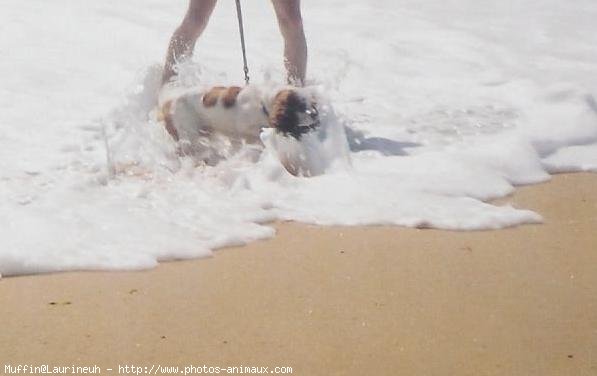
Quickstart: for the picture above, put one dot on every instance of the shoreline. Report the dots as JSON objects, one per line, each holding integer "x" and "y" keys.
{"x": 339, "y": 300}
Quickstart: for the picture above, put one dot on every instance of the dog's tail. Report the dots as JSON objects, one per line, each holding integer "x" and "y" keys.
{"x": 165, "y": 115}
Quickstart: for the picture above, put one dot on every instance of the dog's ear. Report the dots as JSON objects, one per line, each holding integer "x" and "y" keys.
{"x": 229, "y": 97}
{"x": 284, "y": 117}
{"x": 210, "y": 98}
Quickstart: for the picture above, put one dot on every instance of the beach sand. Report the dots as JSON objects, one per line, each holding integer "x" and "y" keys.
{"x": 339, "y": 301}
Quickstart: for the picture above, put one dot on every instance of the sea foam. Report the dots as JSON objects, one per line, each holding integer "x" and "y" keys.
{"x": 423, "y": 125}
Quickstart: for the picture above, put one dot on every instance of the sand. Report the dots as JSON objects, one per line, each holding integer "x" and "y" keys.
{"x": 339, "y": 301}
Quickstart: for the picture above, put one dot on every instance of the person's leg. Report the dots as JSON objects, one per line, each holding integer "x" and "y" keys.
{"x": 183, "y": 41}
{"x": 295, "y": 45}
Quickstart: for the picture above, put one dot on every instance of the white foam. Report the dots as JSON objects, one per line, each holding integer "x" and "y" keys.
{"x": 573, "y": 158}
{"x": 444, "y": 107}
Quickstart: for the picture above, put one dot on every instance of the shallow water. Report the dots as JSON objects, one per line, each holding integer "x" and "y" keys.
{"x": 445, "y": 106}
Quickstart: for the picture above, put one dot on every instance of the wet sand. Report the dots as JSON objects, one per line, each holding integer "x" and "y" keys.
{"x": 339, "y": 301}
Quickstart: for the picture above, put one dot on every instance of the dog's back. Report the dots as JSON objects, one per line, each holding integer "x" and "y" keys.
{"x": 233, "y": 112}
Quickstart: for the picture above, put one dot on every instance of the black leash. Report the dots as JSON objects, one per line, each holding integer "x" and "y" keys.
{"x": 242, "y": 40}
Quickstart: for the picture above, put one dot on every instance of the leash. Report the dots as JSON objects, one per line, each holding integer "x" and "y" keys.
{"x": 242, "y": 40}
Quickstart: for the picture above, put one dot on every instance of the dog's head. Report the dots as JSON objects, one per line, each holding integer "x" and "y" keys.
{"x": 293, "y": 114}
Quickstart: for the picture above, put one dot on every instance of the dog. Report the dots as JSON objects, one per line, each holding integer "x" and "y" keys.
{"x": 239, "y": 114}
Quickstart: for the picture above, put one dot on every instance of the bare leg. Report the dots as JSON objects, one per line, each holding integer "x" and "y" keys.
{"x": 183, "y": 41}
{"x": 295, "y": 45}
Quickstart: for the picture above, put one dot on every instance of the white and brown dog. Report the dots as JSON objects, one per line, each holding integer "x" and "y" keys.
{"x": 239, "y": 114}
